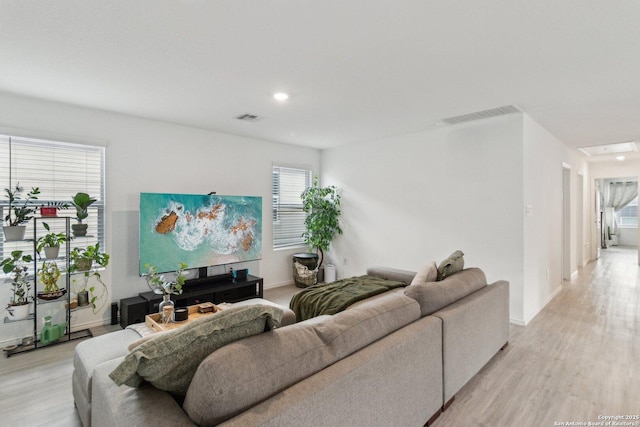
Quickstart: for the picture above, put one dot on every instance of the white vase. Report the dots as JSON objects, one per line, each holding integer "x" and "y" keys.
{"x": 14, "y": 232}
{"x": 18, "y": 312}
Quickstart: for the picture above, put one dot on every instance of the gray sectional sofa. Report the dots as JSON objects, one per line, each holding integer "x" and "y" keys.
{"x": 395, "y": 359}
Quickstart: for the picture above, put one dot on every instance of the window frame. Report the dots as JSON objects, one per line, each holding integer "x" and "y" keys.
{"x": 619, "y": 217}
{"x": 284, "y": 238}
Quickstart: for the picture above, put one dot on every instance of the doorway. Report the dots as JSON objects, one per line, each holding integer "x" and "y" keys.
{"x": 617, "y": 212}
{"x": 566, "y": 222}
{"x": 580, "y": 221}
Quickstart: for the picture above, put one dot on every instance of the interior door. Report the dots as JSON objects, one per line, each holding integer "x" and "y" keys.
{"x": 598, "y": 222}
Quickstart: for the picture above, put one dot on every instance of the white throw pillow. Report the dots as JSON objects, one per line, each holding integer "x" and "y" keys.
{"x": 428, "y": 273}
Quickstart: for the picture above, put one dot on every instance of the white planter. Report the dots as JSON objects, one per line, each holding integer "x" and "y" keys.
{"x": 18, "y": 312}
{"x": 51, "y": 252}
{"x": 14, "y": 233}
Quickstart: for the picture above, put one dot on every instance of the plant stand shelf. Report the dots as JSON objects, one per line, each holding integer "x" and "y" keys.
{"x": 75, "y": 335}
{"x": 40, "y": 305}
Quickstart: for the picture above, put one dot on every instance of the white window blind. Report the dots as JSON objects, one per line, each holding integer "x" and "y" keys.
{"x": 628, "y": 216}
{"x": 288, "y": 216}
{"x": 59, "y": 170}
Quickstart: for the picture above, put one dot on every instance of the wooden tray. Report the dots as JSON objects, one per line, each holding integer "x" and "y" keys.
{"x": 154, "y": 321}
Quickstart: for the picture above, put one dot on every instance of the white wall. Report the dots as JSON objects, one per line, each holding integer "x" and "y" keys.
{"x": 411, "y": 199}
{"x": 627, "y": 236}
{"x": 151, "y": 156}
{"x": 544, "y": 156}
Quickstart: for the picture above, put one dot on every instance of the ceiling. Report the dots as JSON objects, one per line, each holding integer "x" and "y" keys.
{"x": 356, "y": 70}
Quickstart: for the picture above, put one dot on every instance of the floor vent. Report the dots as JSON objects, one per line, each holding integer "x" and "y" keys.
{"x": 248, "y": 117}
{"x": 500, "y": 111}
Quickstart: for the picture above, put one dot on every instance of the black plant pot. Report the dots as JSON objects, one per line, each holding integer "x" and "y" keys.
{"x": 79, "y": 230}
{"x": 83, "y": 298}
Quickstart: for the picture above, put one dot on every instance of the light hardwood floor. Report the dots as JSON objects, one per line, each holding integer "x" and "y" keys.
{"x": 579, "y": 358}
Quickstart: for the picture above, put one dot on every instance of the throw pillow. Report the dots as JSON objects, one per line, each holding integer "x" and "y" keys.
{"x": 453, "y": 264}
{"x": 436, "y": 295}
{"x": 428, "y": 273}
{"x": 170, "y": 360}
{"x": 146, "y": 338}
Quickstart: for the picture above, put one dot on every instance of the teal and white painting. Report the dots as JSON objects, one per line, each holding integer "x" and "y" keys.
{"x": 199, "y": 230}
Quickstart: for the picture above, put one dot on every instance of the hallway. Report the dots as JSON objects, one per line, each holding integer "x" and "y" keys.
{"x": 578, "y": 360}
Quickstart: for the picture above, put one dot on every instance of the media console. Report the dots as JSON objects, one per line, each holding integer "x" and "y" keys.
{"x": 215, "y": 289}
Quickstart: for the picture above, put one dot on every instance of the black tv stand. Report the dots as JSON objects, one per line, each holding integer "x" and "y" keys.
{"x": 204, "y": 281}
{"x": 215, "y": 289}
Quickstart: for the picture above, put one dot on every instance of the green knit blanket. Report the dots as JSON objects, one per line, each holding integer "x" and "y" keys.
{"x": 334, "y": 297}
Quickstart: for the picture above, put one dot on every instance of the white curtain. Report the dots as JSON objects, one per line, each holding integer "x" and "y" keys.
{"x": 620, "y": 195}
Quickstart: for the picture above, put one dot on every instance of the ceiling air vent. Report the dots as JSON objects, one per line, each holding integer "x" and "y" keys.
{"x": 500, "y": 111}
{"x": 248, "y": 117}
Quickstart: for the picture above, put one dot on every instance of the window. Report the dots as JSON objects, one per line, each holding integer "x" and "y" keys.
{"x": 288, "y": 216}
{"x": 59, "y": 170}
{"x": 628, "y": 216}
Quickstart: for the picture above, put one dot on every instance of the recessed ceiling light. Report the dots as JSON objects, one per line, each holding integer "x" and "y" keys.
{"x": 616, "y": 148}
{"x": 620, "y": 158}
{"x": 281, "y": 96}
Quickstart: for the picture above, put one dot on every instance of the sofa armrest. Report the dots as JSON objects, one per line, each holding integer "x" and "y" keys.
{"x": 474, "y": 329}
{"x": 388, "y": 273}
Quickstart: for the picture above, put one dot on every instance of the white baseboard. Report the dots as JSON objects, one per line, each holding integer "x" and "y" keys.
{"x": 517, "y": 322}
{"x": 547, "y": 301}
{"x": 277, "y": 285}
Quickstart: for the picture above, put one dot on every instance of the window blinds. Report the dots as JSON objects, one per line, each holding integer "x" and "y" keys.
{"x": 288, "y": 216}
{"x": 60, "y": 170}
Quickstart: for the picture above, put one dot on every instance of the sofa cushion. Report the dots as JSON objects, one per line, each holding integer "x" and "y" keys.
{"x": 435, "y": 295}
{"x": 170, "y": 360}
{"x": 453, "y": 264}
{"x": 428, "y": 273}
{"x": 115, "y": 406}
{"x": 223, "y": 385}
{"x": 95, "y": 351}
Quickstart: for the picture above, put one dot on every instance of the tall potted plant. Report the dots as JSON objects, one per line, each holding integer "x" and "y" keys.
{"x": 19, "y": 212}
{"x": 322, "y": 206}
{"x": 18, "y": 307}
{"x": 81, "y": 201}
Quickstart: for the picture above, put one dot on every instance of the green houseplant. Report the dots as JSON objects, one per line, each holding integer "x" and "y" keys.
{"x": 48, "y": 275}
{"x": 81, "y": 201}
{"x": 50, "y": 242}
{"x": 16, "y": 265}
{"x": 160, "y": 285}
{"x": 322, "y": 206}
{"x": 19, "y": 211}
{"x": 86, "y": 260}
